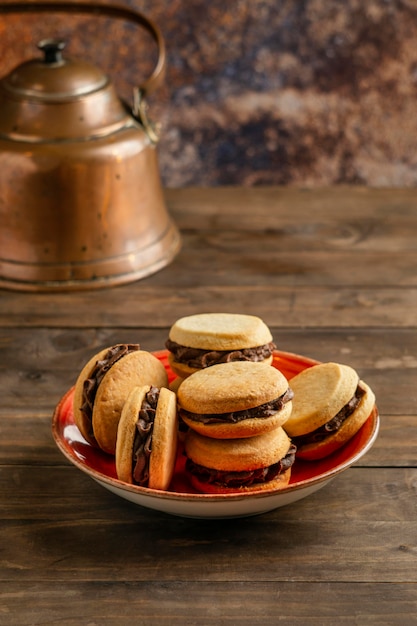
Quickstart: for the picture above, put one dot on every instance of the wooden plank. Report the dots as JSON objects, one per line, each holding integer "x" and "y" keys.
{"x": 232, "y": 258}
{"x": 333, "y": 273}
{"x": 251, "y": 261}
{"x": 396, "y": 444}
{"x": 277, "y": 252}
{"x": 263, "y": 208}
{"x": 187, "y": 603}
{"x": 35, "y": 389}
{"x": 29, "y": 349}
{"x": 261, "y": 261}
{"x": 141, "y": 305}
{"x": 37, "y": 366}
{"x": 359, "y": 528}
{"x": 25, "y": 438}
{"x": 40, "y": 365}
{"x": 383, "y": 495}
{"x": 340, "y": 232}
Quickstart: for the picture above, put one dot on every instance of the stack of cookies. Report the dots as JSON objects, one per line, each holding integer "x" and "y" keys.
{"x": 243, "y": 422}
{"x": 235, "y": 440}
{"x": 232, "y": 403}
{"x": 122, "y": 405}
{"x": 200, "y": 341}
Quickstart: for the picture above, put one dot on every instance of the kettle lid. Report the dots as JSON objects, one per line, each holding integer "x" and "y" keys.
{"x": 54, "y": 77}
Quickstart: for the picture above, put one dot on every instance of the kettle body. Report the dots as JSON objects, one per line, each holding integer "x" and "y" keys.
{"x": 81, "y": 201}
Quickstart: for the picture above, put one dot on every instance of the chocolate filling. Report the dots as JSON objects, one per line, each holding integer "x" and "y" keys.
{"x": 334, "y": 424}
{"x": 197, "y": 358}
{"x": 242, "y": 479}
{"x": 142, "y": 444}
{"x": 101, "y": 367}
{"x": 262, "y": 411}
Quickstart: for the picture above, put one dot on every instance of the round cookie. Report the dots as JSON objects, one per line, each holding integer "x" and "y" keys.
{"x": 235, "y": 400}
{"x": 330, "y": 404}
{"x": 199, "y": 341}
{"x": 146, "y": 451}
{"x": 103, "y": 386}
{"x": 239, "y": 465}
{"x": 349, "y": 428}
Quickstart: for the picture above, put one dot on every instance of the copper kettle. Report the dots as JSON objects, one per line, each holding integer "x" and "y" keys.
{"x": 81, "y": 202}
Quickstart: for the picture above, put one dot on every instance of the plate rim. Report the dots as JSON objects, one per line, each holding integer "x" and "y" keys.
{"x": 176, "y": 496}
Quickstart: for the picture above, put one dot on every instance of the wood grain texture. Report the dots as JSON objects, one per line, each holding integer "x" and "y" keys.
{"x": 25, "y": 438}
{"x": 333, "y": 272}
{"x": 326, "y": 258}
{"x": 364, "y": 517}
{"x": 212, "y": 603}
{"x": 40, "y": 364}
{"x": 305, "y": 306}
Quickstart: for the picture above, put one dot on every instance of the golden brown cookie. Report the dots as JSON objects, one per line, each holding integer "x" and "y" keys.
{"x": 330, "y": 405}
{"x": 103, "y": 386}
{"x": 235, "y": 400}
{"x": 199, "y": 341}
{"x": 239, "y": 465}
{"x": 147, "y": 438}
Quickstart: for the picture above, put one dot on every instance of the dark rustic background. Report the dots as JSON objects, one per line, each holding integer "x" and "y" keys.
{"x": 260, "y": 92}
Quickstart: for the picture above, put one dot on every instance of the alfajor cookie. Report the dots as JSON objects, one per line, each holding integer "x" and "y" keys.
{"x": 199, "y": 341}
{"x": 239, "y": 465}
{"x": 147, "y": 438}
{"x": 330, "y": 405}
{"x": 235, "y": 400}
{"x": 103, "y": 386}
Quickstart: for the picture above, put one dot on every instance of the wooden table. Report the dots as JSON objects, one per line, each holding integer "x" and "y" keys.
{"x": 333, "y": 272}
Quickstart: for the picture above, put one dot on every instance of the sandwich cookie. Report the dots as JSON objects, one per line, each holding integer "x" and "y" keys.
{"x": 103, "y": 386}
{"x": 239, "y": 465}
{"x": 330, "y": 405}
{"x": 235, "y": 400}
{"x": 147, "y": 438}
{"x": 199, "y": 341}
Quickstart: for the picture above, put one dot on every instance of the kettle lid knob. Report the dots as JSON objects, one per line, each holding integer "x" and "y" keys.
{"x": 52, "y": 49}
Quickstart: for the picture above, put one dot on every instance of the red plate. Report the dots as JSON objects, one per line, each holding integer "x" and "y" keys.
{"x": 182, "y": 499}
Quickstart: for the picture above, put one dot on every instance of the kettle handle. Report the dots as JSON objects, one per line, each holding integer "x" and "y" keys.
{"x": 158, "y": 74}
